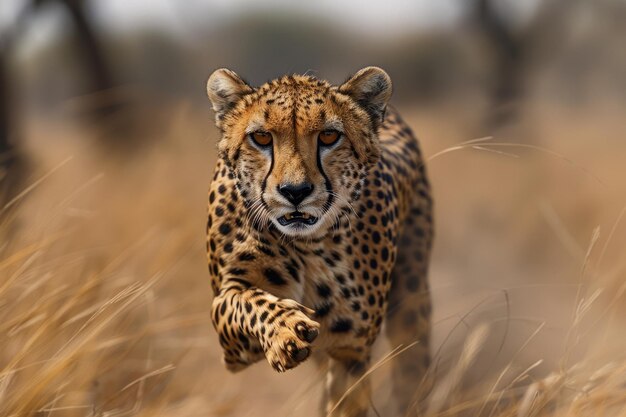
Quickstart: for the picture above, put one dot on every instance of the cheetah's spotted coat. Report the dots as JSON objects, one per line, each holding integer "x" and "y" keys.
{"x": 323, "y": 284}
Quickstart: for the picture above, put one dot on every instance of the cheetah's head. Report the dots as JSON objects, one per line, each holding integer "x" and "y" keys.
{"x": 299, "y": 147}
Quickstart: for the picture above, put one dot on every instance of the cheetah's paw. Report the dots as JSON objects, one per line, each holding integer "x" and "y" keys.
{"x": 293, "y": 334}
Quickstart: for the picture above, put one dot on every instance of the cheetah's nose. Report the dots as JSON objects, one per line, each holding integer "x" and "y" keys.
{"x": 296, "y": 193}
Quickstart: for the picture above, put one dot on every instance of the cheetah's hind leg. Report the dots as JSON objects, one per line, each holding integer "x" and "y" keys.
{"x": 408, "y": 313}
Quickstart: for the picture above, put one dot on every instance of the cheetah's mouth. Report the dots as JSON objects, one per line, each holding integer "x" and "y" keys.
{"x": 298, "y": 218}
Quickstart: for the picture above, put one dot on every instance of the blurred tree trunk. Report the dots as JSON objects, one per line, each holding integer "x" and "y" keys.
{"x": 5, "y": 143}
{"x": 10, "y": 160}
{"x": 89, "y": 45}
{"x": 507, "y": 49}
{"x": 103, "y": 104}
{"x": 107, "y": 107}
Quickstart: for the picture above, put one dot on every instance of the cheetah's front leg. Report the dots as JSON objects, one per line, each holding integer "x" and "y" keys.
{"x": 348, "y": 394}
{"x": 250, "y": 321}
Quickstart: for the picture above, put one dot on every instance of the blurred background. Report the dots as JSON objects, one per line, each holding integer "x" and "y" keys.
{"x": 107, "y": 145}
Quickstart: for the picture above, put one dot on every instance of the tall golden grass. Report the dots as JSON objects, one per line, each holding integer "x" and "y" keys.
{"x": 104, "y": 295}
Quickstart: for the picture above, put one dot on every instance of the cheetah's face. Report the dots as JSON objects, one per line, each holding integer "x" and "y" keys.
{"x": 299, "y": 147}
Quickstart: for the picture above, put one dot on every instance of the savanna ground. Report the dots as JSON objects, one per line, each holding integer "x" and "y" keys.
{"x": 104, "y": 294}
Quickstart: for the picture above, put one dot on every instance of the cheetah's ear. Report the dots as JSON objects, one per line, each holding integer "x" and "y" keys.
{"x": 371, "y": 88}
{"x": 224, "y": 89}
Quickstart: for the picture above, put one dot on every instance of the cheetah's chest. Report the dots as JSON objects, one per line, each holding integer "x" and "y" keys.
{"x": 348, "y": 295}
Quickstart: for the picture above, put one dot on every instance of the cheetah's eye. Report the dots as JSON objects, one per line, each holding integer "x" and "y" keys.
{"x": 261, "y": 138}
{"x": 328, "y": 137}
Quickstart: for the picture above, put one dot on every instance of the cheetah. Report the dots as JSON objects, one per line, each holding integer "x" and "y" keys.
{"x": 319, "y": 229}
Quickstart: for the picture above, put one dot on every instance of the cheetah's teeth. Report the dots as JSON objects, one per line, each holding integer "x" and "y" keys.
{"x": 297, "y": 215}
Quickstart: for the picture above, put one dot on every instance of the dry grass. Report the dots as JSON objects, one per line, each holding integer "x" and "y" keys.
{"x": 104, "y": 295}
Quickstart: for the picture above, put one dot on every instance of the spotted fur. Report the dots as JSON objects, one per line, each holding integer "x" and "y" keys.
{"x": 284, "y": 292}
